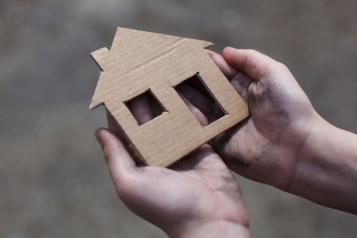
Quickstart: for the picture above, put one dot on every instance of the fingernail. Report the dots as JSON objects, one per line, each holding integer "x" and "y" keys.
{"x": 210, "y": 53}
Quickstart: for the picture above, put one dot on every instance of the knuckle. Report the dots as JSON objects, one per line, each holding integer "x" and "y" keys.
{"x": 281, "y": 66}
{"x": 107, "y": 153}
{"x": 252, "y": 51}
{"x": 256, "y": 90}
{"x": 245, "y": 221}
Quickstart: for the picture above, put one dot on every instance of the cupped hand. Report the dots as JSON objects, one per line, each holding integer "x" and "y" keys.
{"x": 266, "y": 146}
{"x": 195, "y": 196}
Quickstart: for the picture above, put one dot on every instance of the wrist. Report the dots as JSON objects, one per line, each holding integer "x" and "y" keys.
{"x": 311, "y": 149}
{"x": 310, "y": 130}
{"x": 211, "y": 230}
{"x": 325, "y": 172}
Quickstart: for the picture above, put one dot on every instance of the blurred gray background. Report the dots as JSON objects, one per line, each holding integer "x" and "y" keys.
{"x": 53, "y": 181}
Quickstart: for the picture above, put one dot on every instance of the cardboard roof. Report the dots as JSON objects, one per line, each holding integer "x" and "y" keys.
{"x": 132, "y": 49}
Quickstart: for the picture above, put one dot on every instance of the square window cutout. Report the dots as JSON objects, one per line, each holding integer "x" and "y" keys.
{"x": 145, "y": 107}
{"x": 194, "y": 91}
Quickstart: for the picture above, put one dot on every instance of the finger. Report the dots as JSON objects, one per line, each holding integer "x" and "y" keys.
{"x": 255, "y": 64}
{"x": 155, "y": 107}
{"x": 140, "y": 108}
{"x": 198, "y": 114}
{"x": 241, "y": 83}
{"x": 119, "y": 162}
{"x": 196, "y": 97}
{"x": 114, "y": 126}
{"x": 120, "y": 134}
{"x": 226, "y": 69}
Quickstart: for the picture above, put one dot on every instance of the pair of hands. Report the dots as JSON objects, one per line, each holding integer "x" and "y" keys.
{"x": 198, "y": 195}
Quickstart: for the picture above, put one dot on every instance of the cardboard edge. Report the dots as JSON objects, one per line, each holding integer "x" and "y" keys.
{"x": 95, "y": 101}
{"x": 202, "y": 43}
{"x": 100, "y": 56}
{"x": 207, "y": 44}
{"x": 94, "y": 105}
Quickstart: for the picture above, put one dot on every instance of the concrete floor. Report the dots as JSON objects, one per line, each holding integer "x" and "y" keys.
{"x": 53, "y": 181}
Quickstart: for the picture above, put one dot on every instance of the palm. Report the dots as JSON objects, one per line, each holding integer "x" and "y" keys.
{"x": 196, "y": 185}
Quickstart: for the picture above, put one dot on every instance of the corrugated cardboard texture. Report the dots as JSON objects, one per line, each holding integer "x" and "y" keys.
{"x": 139, "y": 61}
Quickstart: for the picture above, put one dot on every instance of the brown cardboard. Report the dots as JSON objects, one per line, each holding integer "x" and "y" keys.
{"x": 139, "y": 61}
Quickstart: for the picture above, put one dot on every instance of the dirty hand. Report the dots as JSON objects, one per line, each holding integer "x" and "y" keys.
{"x": 196, "y": 197}
{"x": 265, "y": 147}
{"x": 284, "y": 143}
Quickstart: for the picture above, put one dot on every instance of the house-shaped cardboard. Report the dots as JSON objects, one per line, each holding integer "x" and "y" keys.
{"x": 140, "y": 62}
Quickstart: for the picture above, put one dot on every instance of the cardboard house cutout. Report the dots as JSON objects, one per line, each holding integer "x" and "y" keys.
{"x": 140, "y": 62}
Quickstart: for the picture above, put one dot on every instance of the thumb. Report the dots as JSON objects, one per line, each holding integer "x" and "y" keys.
{"x": 119, "y": 162}
{"x": 251, "y": 62}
